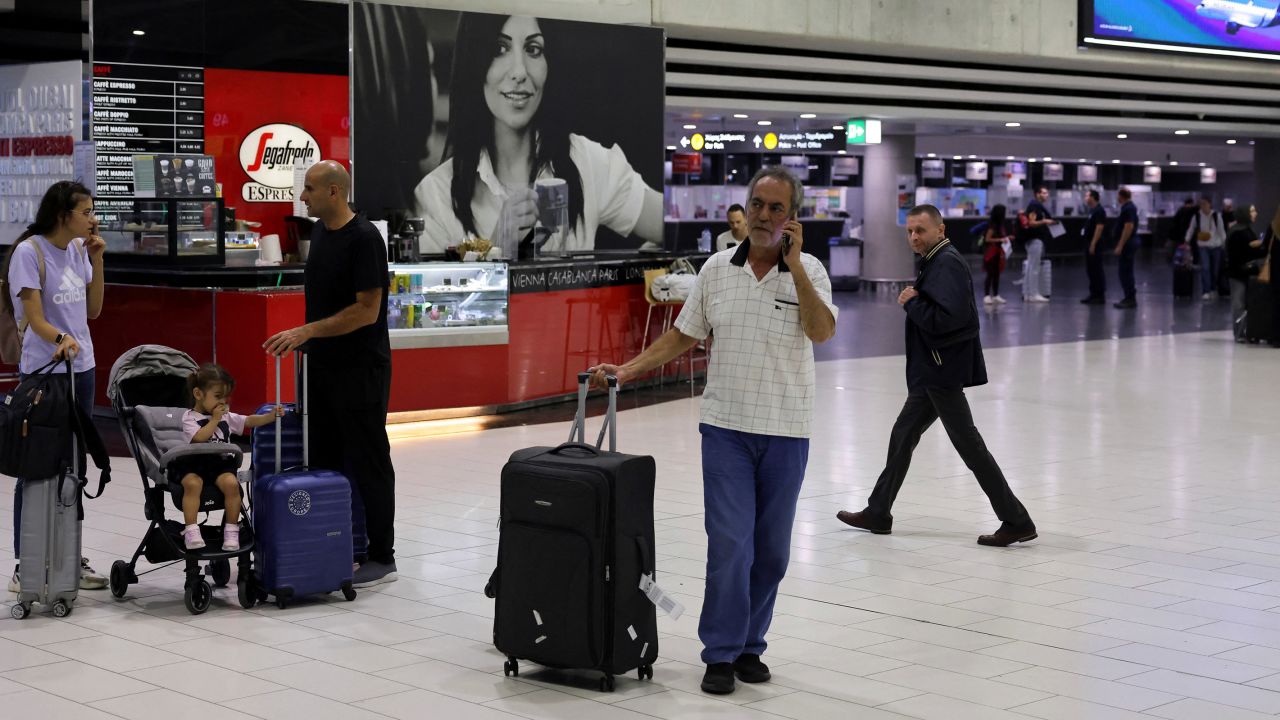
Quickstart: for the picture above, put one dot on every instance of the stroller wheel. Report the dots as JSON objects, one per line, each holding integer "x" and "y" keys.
{"x": 20, "y": 611}
{"x": 61, "y": 609}
{"x": 119, "y": 582}
{"x": 348, "y": 592}
{"x": 220, "y": 571}
{"x": 197, "y": 597}
{"x": 247, "y": 594}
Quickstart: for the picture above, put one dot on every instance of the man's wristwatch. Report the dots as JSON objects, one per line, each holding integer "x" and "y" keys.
{"x": 60, "y": 337}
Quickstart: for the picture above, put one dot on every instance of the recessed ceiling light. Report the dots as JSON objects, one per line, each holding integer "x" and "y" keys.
{"x": 841, "y": 152}
{"x": 139, "y": 33}
{"x": 808, "y": 116}
{"x": 973, "y": 157}
{"x": 956, "y": 157}
{"x": 1121, "y": 136}
{"x": 1031, "y": 159}
{"x": 1115, "y": 162}
{"x": 1203, "y": 164}
{"x": 1083, "y": 160}
{"x": 1147, "y": 162}
{"x": 1251, "y": 142}
{"x": 740, "y": 116}
{"x": 1173, "y": 162}
{"x": 1013, "y": 124}
{"x": 933, "y": 155}
{"x": 1181, "y": 132}
{"x": 837, "y": 127}
{"x": 1231, "y": 142}
{"x": 690, "y": 127}
{"x": 1008, "y": 157}
{"x": 671, "y": 147}
{"x": 764, "y": 122}
{"x": 1048, "y": 159}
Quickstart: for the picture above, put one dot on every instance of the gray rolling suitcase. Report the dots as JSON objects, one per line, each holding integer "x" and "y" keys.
{"x": 50, "y": 558}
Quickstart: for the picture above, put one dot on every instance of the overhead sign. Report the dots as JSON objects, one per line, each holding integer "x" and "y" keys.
{"x": 1086, "y": 173}
{"x": 1053, "y": 172}
{"x": 975, "y": 171}
{"x": 686, "y": 163}
{"x": 1208, "y": 176}
{"x": 844, "y": 166}
{"x": 933, "y": 169}
{"x": 1151, "y": 174}
{"x": 732, "y": 141}
{"x": 862, "y": 131}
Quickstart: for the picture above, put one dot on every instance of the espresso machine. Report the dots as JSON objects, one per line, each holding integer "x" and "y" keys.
{"x": 404, "y": 242}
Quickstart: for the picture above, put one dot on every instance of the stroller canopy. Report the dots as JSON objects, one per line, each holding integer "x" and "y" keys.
{"x": 148, "y": 361}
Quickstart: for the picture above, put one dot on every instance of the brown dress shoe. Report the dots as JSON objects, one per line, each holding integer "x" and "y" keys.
{"x": 1008, "y": 535}
{"x": 863, "y": 521}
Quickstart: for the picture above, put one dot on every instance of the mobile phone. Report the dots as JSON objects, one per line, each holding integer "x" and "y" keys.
{"x": 786, "y": 238}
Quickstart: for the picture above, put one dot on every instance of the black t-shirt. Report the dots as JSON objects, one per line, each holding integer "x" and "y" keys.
{"x": 1097, "y": 216}
{"x": 1128, "y": 214}
{"x": 342, "y": 263}
{"x": 1037, "y": 211}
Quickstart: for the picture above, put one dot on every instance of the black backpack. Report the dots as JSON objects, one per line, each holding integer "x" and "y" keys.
{"x": 37, "y": 422}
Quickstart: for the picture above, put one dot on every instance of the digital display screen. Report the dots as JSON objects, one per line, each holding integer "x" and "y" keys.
{"x": 1232, "y": 28}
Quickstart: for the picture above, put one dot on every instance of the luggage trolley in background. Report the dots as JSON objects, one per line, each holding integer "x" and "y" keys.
{"x": 576, "y": 538}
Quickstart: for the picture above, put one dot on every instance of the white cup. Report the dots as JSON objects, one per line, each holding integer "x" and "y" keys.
{"x": 269, "y": 249}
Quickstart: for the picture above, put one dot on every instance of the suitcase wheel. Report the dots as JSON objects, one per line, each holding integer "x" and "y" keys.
{"x": 606, "y": 683}
{"x": 61, "y": 609}
{"x": 348, "y": 591}
{"x": 119, "y": 578}
{"x": 511, "y": 668}
{"x": 246, "y": 592}
{"x": 197, "y": 597}
{"x": 645, "y": 672}
{"x": 282, "y": 603}
{"x": 20, "y": 611}
{"x": 220, "y": 571}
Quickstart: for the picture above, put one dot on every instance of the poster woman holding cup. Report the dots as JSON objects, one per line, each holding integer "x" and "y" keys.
{"x": 507, "y": 132}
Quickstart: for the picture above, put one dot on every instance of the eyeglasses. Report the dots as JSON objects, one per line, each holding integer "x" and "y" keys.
{"x": 88, "y": 213}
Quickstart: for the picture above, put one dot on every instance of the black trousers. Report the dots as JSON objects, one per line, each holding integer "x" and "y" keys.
{"x": 1097, "y": 277}
{"x": 348, "y": 433}
{"x": 922, "y": 407}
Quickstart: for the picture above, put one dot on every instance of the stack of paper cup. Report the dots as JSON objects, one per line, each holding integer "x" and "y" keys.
{"x": 269, "y": 250}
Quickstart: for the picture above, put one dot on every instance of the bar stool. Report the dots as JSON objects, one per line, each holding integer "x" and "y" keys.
{"x": 668, "y": 307}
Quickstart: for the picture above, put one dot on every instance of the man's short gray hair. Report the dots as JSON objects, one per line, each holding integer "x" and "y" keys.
{"x": 777, "y": 172}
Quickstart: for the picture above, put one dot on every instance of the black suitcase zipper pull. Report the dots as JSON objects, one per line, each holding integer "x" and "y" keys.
{"x": 606, "y": 573}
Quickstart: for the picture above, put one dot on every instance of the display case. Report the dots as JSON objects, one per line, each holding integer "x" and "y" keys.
{"x": 447, "y": 304}
{"x": 165, "y": 231}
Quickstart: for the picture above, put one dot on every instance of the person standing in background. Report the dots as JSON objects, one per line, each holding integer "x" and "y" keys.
{"x": 993, "y": 259}
{"x": 737, "y": 232}
{"x": 1243, "y": 246}
{"x": 1126, "y": 248}
{"x": 1094, "y": 229}
{"x": 1039, "y": 220}
{"x": 1208, "y": 231}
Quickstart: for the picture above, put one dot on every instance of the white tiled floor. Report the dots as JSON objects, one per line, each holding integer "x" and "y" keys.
{"x": 1149, "y": 464}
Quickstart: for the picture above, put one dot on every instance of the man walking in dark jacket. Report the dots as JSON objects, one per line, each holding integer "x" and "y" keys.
{"x": 944, "y": 356}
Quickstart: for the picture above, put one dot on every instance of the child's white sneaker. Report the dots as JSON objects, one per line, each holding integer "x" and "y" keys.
{"x": 231, "y": 537}
{"x": 987, "y": 300}
{"x": 191, "y": 538}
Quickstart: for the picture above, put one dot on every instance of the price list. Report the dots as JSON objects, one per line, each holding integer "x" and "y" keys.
{"x": 143, "y": 110}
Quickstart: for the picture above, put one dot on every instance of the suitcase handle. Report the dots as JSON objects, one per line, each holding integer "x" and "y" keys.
{"x": 579, "y": 429}
{"x": 300, "y": 360}
{"x": 591, "y": 449}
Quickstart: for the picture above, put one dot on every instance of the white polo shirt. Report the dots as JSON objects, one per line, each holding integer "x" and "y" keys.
{"x": 761, "y": 378}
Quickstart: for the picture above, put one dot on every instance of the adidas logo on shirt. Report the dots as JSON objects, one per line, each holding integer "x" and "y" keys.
{"x": 71, "y": 288}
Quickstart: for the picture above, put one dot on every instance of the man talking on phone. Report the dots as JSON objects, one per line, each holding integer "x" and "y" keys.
{"x": 767, "y": 303}
{"x": 944, "y": 357}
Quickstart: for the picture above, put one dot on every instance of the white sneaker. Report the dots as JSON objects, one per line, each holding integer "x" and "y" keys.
{"x": 988, "y": 300}
{"x": 90, "y": 579}
{"x": 1037, "y": 299}
{"x": 15, "y": 583}
{"x": 1207, "y": 296}
{"x": 999, "y": 299}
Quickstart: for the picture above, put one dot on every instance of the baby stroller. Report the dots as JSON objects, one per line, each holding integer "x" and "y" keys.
{"x": 148, "y": 390}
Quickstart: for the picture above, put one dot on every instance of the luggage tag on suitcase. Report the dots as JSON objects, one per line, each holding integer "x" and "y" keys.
{"x": 660, "y": 598}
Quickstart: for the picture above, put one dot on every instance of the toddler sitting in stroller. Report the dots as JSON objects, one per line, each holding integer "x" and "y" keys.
{"x": 209, "y": 420}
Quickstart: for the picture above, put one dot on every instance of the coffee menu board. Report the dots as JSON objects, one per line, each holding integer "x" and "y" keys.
{"x": 146, "y": 110}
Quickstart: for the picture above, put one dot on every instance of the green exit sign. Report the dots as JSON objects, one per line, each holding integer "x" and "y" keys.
{"x": 862, "y": 131}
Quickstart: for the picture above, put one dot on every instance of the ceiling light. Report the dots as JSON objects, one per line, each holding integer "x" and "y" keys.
{"x": 1115, "y": 162}
{"x": 933, "y": 155}
{"x": 973, "y": 157}
{"x": 1008, "y": 157}
{"x": 1181, "y": 132}
{"x": 1013, "y": 124}
{"x": 1173, "y": 162}
{"x": 1203, "y": 164}
{"x": 740, "y": 116}
{"x": 1121, "y": 136}
{"x": 690, "y": 127}
{"x": 837, "y": 127}
{"x": 1231, "y": 142}
{"x": 841, "y": 152}
{"x": 1048, "y": 159}
{"x": 139, "y": 33}
{"x": 1031, "y": 159}
{"x": 671, "y": 147}
{"x": 764, "y": 122}
{"x": 956, "y": 157}
{"x": 1147, "y": 162}
{"x": 1083, "y": 160}
{"x": 808, "y": 116}
{"x": 1251, "y": 142}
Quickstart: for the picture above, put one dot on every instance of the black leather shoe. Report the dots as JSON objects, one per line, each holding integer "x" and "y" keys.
{"x": 750, "y": 669}
{"x": 1093, "y": 300}
{"x": 864, "y": 521}
{"x": 1126, "y": 304}
{"x": 1008, "y": 535}
{"x": 719, "y": 679}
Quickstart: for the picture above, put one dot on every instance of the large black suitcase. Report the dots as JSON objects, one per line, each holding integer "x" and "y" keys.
{"x": 1184, "y": 281}
{"x": 576, "y": 537}
{"x": 1259, "y": 312}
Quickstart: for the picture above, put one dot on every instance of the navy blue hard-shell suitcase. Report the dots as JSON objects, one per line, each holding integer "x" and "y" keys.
{"x": 302, "y": 518}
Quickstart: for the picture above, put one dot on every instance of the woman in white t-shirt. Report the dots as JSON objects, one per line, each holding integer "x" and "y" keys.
{"x": 53, "y": 305}
{"x": 507, "y": 129}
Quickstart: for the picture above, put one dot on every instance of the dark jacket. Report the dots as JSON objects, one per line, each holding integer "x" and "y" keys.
{"x": 1239, "y": 253}
{"x": 943, "y": 350}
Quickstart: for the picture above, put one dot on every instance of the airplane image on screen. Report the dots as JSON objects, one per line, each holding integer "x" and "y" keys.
{"x": 1241, "y": 13}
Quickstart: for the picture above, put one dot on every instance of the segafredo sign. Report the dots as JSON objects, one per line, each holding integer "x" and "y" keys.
{"x": 268, "y": 154}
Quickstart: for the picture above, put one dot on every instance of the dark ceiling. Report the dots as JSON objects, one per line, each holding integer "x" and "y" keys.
{"x": 42, "y": 31}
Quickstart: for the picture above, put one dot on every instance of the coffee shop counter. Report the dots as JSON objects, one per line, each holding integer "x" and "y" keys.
{"x": 467, "y": 338}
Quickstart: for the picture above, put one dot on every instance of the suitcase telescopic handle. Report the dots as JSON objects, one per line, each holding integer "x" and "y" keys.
{"x": 300, "y": 361}
{"x": 578, "y": 433}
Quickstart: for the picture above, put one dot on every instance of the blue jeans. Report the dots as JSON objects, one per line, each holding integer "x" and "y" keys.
{"x": 750, "y": 487}
{"x": 1210, "y": 267}
{"x": 84, "y": 398}
{"x": 1127, "y": 280}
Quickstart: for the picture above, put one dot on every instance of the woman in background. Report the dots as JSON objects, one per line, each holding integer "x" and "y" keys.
{"x": 508, "y": 129}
